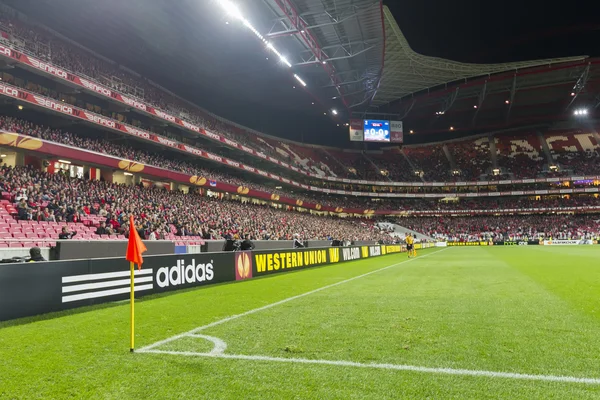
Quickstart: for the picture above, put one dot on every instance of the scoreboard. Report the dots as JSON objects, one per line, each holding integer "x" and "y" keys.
{"x": 375, "y": 130}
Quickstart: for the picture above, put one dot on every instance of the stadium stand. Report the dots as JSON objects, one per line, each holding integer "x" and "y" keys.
{"x": 472, "y": 157}
{"x": 483, "y": 228}
{"x": 396, "y": 164}
{"x": 520, "y": 155}
{"x": 36, "y": 205}
{"x": 431, "y": 160}
{"x": 576, "y": 152}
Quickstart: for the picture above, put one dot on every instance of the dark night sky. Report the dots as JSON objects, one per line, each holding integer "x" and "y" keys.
{"x": 231, "y": 77}
{"x": 493, "y": 32}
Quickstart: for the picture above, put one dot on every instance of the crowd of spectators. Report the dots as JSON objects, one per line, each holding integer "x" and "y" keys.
{"x": 431, "y": 160}
{"x": 517, "y": 156}
{"x": 472, "y": 157}
{"x": 146, "y": 157}
{"x": 499, "y": 228}
{"x": 178, "y": 164}
{"x": 58, "y": 198}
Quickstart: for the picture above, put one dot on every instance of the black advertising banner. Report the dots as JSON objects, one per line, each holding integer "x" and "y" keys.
{"x": 34, "y": 288}
{"x": 470, "y": 244}
{"x": 28, "y": 289}
{"x": 518, "y": 243}
{"x": 109, "y": 281}
{"x": 271, "y": 262}
{"x": 260, "y": 263}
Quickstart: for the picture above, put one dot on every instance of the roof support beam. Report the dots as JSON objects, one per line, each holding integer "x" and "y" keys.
{"x": 480, "y": 99}
{"x": 448, "y": 103}
{"x": 511, "y": 100}
{"x": 288, "y": 9}
{"x": 333, "y": 21}
{"x": 579, "y": 85}
{"x": 338, "y": 13}
{"x": 408, "y": 109}
{"x": 314, "y": 61}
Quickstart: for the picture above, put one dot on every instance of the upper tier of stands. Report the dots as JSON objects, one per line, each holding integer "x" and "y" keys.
{"x": 518, "y": 156}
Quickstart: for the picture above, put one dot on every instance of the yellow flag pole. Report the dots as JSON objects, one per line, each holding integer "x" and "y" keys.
{"x": 132, "y": 304}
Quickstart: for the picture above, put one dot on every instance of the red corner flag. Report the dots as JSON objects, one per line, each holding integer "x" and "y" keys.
{"x": 135, "y": 247}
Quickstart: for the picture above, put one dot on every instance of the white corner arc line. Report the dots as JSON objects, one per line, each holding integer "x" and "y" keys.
{"x": 277, "y": 303}
{"x": 219, "y": 348}
{"x": 396, "y": 367}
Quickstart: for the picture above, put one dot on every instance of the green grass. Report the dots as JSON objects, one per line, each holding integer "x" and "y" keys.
{"x": 531, "y": 310}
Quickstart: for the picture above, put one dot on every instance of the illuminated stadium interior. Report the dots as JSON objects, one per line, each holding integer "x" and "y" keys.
{"x": 287, "y": 122}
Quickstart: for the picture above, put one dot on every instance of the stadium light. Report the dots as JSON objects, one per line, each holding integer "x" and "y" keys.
{"x": 580, "y": 111}
{"x": 334, "y": 111}
{"x": 286, "y": 62}
{"x": 231, "y": 9}
{"x": 300, "y": 80}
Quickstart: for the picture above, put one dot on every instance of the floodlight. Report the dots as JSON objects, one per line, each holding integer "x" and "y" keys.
{"x": 231, "y": 9}
{"x": 334, "y": 111}
{"x": 300, "y": 80}
{"x": 286, "y": 62}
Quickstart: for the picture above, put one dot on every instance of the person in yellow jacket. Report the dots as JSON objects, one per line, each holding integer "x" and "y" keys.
{"x": 410, "y": 245}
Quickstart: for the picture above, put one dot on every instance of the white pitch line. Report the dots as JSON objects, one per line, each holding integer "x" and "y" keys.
{"x": 277, "y": 303}
{"x": 396, "y": 367}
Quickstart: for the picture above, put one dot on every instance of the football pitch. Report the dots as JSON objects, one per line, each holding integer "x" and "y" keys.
{"x": 518, "y": 322}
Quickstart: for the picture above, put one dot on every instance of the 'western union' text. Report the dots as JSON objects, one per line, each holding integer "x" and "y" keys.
{"x": 277, "y": 261}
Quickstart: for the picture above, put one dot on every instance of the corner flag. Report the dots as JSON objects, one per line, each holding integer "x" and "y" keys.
{"x": 135, "y": 248}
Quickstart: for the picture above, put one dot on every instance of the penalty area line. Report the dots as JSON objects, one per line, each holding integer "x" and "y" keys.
{"x": 395, "y": 367}
{"x": 277, "y": 303}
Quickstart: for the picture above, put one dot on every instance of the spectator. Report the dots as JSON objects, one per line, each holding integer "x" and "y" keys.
{"x": 65, "y": 234}
{"x": 102, "y": 230}
{"x": 247, "y": 244}
{"x": 35, "y": 255}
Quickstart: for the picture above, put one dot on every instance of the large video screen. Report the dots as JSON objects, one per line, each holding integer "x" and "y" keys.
{"x": 376, "y": 130}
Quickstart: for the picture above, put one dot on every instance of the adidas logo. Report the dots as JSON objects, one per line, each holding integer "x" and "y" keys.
{"x": 182, "y": 274}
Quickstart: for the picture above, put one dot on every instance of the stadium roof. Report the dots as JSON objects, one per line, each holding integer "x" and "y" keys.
{"x": 406, "y": 72}
{"x": 191, "y": 47}
{"x": 343, "y": 39}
